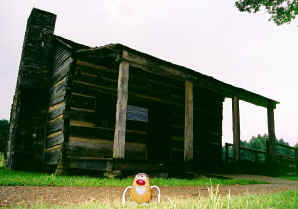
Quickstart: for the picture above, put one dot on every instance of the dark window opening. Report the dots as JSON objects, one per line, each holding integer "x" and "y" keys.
{"x": 136, "y": 113}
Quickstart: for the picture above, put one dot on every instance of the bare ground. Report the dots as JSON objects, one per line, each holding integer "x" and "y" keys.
{"x": 65, "y": 195}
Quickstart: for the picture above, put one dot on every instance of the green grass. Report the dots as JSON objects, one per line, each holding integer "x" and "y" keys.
{"x": 1, "y": 159}
{"x": 294, "y": 178}
{"x": 21, "y": 178}
{"x": 281, "y": 200}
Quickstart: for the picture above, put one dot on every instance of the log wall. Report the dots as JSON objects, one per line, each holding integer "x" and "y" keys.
{"x": 62, "y": 63}
{"x": 157, "y": 136}
{"x": 91, "y": 115}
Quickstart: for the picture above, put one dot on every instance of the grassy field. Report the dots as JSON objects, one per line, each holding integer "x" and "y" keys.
{"x": 1, "y": 159}
{"x": 21, "y": 178}
{"x": 281, "y": 200}
{"x": 294, "y": 178}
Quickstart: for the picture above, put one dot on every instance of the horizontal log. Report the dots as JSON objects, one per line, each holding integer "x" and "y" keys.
{"x": 105, "y": 133}
{"x": 156, "y": 66}
{"x": 78, "y": 115}
{"x": 155, "y": 94}
{"x": 56, "y": 110}
{"x": 153, "y": 99}
{"x": 82, "y": 95}
{"x": 107, "y": 76}
{"x": 93, "y": 67}
{"x": 82, "y": 124}
{"x": 59, "y": 82}
{"x": 83, "y": 102}
{"x": 100, "y": 148}
{"x": 55, "y": 148}
{"x": 91, "y": 132}
{"x": 155, "y": 90}
{"x": 53, "y": 107}
{"x": 135, "y": 151}
{"x": 92, "y": 89}
{"x": 85, "y": 147}
{"x": 60, "y": 117}
{"x": 55, "y": 140}
{"x": 55, "y": 126}
{"x": 52, "y": 157}
{"x": 82, "y": 109}
{"x": 95, "y": 118}
{"x": 96, "y": 81}
{"x": 61, "y": 71}
{"x": 81, "y": 88}
{"x": 155, "y": 80}
{"x": 59, "y": 89}
{"x": 91, "y": 164}
{"x": 57, "y": 98}
{"x": 54, "y": 134}
{"x": 151, "y": 66}
{"x": 93, "y": 86}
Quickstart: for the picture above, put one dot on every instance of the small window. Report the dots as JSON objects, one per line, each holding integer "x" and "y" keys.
{"x": 136, "y": 113}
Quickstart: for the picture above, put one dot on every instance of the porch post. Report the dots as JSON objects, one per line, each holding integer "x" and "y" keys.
{"x": 188, "y": 130}
{"x": 271, "y": 135}
{"x": 236, "y": 128}
{"x": 121, "y": 109}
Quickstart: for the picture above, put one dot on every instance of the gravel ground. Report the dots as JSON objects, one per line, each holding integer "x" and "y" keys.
{"x": 65, "y": 195}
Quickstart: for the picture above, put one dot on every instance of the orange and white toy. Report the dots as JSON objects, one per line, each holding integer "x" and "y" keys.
{"x": 141, "y": 191}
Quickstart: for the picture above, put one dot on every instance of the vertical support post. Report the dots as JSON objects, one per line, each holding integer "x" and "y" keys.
{"x": 121, "y": 109}
{"x": 188, "y": 130}
{"x": 236, "y": 128}
{"x": 271, "y": 135}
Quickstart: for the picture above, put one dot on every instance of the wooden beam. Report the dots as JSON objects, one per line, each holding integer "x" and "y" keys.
{"x": 162, "y": 68}
{"x": 121, "y": 109}
{"x": 271, "y": 135}
{"x": 188, "y": 130}
{"x": 236, "y": 128}
{"x": 152, "y": 65}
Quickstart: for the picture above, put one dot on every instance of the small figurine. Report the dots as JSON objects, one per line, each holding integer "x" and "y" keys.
{"x": 141, "y": 190}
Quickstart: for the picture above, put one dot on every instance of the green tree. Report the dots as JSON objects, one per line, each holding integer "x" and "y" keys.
{"x": 258, "y": 142}
{"x": 283, "y": 150}
{"x": 281, "y": 11}
{"x": 4, "y": 128}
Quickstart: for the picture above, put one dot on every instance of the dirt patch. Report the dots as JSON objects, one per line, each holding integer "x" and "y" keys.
{"x": 65, "y": 195}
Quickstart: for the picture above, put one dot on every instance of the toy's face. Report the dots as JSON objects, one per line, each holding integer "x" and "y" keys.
{"x": 141, "y": 179}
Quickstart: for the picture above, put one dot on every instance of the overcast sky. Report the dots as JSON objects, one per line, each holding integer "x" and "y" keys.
{"x": 211, "y": 37}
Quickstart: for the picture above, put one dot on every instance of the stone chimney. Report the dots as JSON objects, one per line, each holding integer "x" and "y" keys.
{"x": 30, "y": 104}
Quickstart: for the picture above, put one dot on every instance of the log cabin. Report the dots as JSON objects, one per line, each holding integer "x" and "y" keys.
{"x": 115, "y": 108}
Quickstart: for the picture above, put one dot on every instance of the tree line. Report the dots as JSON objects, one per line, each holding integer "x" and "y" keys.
{"x": 259, "y": 143}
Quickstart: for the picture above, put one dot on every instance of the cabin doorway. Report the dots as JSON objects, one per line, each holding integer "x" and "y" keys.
{"x": 158, "y": 134}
